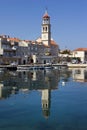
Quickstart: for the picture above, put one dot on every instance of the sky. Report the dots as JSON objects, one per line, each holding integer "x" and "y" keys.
{"x": 23, "y": 19}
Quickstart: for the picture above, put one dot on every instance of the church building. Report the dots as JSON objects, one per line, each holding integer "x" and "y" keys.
{"x": 50, "y": 47}
{"x": 44, "y": 50}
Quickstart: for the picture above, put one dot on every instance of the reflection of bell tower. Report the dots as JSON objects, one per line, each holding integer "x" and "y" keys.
{"x": 46, "y": 29}
{"x": 46, "y": 102}
{"x": 1, "y": 89}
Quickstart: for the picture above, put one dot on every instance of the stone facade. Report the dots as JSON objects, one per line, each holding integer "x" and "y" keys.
{"x": 43, "y": 50}
{"x": 8, "y": 47}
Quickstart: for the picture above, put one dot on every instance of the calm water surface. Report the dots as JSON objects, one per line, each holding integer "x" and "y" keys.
{"x": 43, "y": 100}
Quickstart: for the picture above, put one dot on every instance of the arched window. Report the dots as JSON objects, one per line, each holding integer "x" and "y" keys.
{"x": 46, "y": 29}
{"x": 43, "y": 28}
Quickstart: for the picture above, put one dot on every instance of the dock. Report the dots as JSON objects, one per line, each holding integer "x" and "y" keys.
{"x": 33, "y": 66}
{"x": 40, "y": 66}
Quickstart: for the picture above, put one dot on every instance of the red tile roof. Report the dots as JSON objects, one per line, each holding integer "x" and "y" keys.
{"x": 14, "y": 39}
{"x": 81, "y": 49}
{"x": 47, "y": 46}
{"x": 46, "y": 15}
{"x": 53, "y": 43}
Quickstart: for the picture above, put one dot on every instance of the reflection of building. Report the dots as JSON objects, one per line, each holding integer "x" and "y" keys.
{"x": 1, "y": 87}
{"x": 6, "y": 91}
{"x": 79, "y": 75}
{"x": 46, "y": 102}
{"x": 39, "y": 80}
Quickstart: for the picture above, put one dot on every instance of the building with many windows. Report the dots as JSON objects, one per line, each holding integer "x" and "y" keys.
{"x": 8, "y": 48}
{"x": 43, "y": 50}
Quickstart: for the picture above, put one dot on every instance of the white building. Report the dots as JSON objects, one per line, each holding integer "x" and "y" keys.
{"x": 8, "y": 47}
{"x": 43, "y": 50}
{"x": 80, "y": 53}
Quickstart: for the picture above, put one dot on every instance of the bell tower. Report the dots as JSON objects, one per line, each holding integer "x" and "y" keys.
{"x": 46, "y": 29}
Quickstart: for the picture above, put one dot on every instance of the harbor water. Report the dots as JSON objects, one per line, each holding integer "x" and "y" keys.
{"x": 49, "y": 99}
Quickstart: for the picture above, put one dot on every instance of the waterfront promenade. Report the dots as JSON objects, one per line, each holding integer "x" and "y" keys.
{"x": 41, "y": 66}
{"x": 32, "y": 66}
{"x": 76, "y": 65}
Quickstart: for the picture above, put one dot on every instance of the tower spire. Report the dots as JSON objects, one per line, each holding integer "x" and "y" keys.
{"x": 46, "y": 11}
{"x": 46, "y": 29}
{"x": 46, "y": 14}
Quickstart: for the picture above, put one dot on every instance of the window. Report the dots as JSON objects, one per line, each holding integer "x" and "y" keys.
{"x": 46, "y": 29}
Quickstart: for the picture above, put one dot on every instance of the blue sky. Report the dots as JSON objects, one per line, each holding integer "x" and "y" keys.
{"x": 23, "y": 19}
